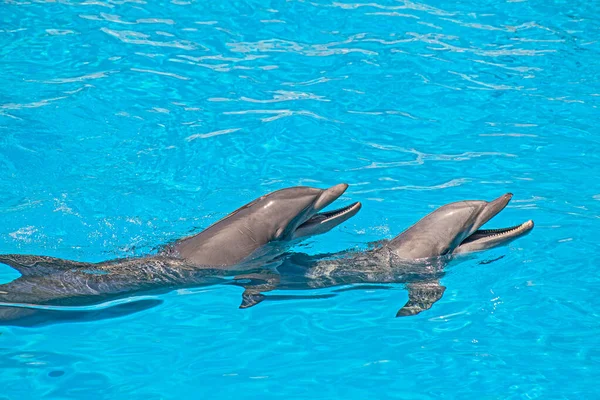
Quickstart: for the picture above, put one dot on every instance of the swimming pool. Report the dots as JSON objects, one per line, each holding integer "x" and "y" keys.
{"x": 127, "y": 124}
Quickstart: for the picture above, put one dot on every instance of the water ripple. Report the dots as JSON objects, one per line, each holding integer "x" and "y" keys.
{"x": 172, "y": 75}
{"x": 277, "y": 114}
{"x": 445, "y": 185}
{"x": 211, "y": 134}
{"x": 117, "y": 19}
{"x": 286, "y": 46}
{"x": 134, "y": 37}
{"x": 279, "y": 96}
{"x": 83, "y": 78}
{"x": 408, "y": 5}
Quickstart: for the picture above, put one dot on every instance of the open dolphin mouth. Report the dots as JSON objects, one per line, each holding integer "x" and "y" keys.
{"x": 499, "y": 234}
{"x": 341, "y": 214}
{"x": 322, "y": 222}
{"x": 482, "y": 239}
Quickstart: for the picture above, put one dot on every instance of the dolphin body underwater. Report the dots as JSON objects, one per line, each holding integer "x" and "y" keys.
{"x": 416, "y": 257}
{"x": 249, "y": 245}
{"x": 250, "y": 236}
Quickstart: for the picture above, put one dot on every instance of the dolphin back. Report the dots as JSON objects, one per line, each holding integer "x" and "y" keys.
{"x": 228, "y": 241}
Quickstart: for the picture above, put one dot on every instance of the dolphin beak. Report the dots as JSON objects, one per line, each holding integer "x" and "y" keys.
{"x": 483, "y": 239}
{"x": 492, "y": 209}
{"x": 323, "y": 222}
{"x": 329, "y": 196}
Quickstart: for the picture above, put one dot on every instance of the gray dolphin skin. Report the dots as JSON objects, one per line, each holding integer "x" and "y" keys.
{"x": 264, "y": 228}
{"x": 454, "y": 229}
{"x": 250, "y": 236}
{"x": 416, "y": 257}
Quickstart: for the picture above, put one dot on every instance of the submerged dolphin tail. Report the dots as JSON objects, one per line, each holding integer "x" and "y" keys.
{"x": 28, "y": 265}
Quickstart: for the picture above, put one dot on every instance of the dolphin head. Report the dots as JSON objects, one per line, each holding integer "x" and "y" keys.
{"x": 294, "y": 213}
{"x": 266, "y": 226}
{"x": 454, "y": 229}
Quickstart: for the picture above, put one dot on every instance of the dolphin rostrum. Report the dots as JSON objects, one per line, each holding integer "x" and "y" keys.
{"x": 416, "y": 257}
{"x": 250, "y": 236}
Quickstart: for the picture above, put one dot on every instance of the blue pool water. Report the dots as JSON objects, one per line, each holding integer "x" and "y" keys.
{"x": 128, "y": 124}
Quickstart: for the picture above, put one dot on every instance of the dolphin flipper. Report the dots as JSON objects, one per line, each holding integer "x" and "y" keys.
{"x": 254, "y": 284}
{"x": 251, "y": 299}
{"x": 266, "y": 282}
{"x": 421, "y": 296}
{"x": 281, "y": 297}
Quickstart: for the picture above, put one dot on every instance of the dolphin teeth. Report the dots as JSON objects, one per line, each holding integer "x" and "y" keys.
{"x": 326, "y": 216}
{"x": 338, "y": 212}
{"x": 494, "y": 233}
{"x": 501, "y": 232}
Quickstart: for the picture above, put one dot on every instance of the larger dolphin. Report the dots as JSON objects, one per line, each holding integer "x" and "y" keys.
{"x": 250, "y": 236}
{"x": 416, "y": 257}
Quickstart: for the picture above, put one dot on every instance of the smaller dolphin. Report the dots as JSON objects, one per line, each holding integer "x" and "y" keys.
{"x": 416, "y": 257}
{"x": 454, "y": 229}
{"x": 250, "y": 236}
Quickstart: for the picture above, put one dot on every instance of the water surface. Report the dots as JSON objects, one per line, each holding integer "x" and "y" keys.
{"x": 127, "y": 124}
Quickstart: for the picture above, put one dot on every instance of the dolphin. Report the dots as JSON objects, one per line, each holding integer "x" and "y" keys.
{"x": 248, "y": 237}
{"x": 264, "y": 228}
{"x": 416, "y": 257}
